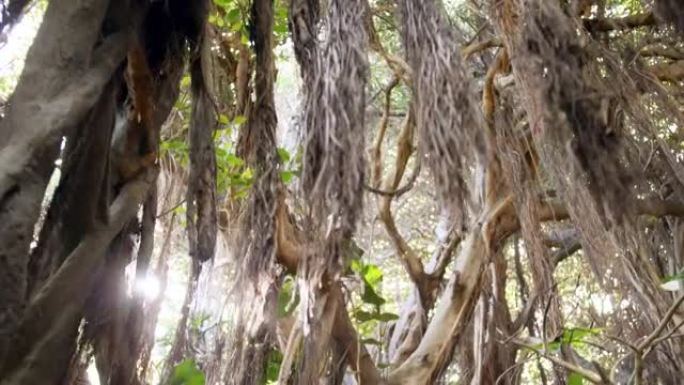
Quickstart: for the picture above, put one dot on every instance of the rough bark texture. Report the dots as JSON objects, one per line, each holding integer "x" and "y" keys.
{"x": 78, "y": 201}
{"x": 449, "y": 123}
{"x": 48, "y": 321}
{"x": 80, "y": 96}
{"x": 255, "y": 327}
{"x": 257, "y": 145}
{"x": 334, "y": 119}
{"x": 201, "y": 194}
{"x": 65, "y": 72}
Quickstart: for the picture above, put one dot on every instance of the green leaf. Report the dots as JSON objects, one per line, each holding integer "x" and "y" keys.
{"x": 571, "y": 336}
{"x": 284, "y": 155}
{"x": 370, "y": 296}
{"x": 274, "y": 360}
{"x": 223, "y": 119}
{"x": 185, "y": 82}
{"x": 239, "y": 120}
{"x": 286, "y": 176}
{"x": 356, "y": 265}
{"x": 387, "y": 317}
{"x": 363, "y": 316}
{"x": 575, "y": 379}
{"x": 187, "y": 373}
{"x": 180, "y": 210}
{"x": 234, "y": 161}
{"x": 288, "y": 298}
{"x": 247, "y": 175}
{"x": 372, "y": 274}
{"x": 280, "y": 29}
{"x": 234, "y": 17}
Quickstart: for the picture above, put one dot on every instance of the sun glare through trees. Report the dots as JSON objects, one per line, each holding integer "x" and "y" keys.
{"x": 341, "y": 192}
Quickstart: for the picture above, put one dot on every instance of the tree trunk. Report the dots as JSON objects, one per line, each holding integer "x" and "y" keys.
{"x": 65, "y": 72}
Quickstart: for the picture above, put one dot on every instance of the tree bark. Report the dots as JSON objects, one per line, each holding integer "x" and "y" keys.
{"x": 64, "y": 73}
{"x": 48, "y": 319}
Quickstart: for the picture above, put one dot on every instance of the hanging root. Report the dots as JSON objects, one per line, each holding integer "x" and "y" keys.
{"x": 334, "y": 159}
{"x": 446, "y": 108}
{"x": 259, "y": 146}
{"x": 571, "y": 128}
{"x": 201, "y": 194}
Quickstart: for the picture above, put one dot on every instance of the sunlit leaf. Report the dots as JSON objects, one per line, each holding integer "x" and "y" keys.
{"x": 286, "y": 176}
{"x": 274, "y": 360}
{"x": 234, "y": 161}
{"x": 239, "y": 120}
{"x": 284, "y": 155}
{"x": 575, "y": 379}
{"x": 233, "y": 17}
{"x": 372, "y": 274}
{"x": 288, "y": 298}
{"x": 187, "y": 373}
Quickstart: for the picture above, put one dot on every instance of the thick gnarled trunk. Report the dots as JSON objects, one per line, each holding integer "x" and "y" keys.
{"x": 66, "y": 70}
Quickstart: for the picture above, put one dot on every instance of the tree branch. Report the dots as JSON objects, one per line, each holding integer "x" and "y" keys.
{"x": 670, "y": 72}
{"x": 60, "y": 295}
{"x": 622, "y": 23}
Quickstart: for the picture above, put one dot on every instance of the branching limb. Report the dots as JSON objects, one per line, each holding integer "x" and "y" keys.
{"x": 409, "y": 258}
{"x": 474, "y": 48}
{"x": 59, "y": 296}
{"x": 358, "y": 358}
{"x": 400, "y": 68}
{"x": 592, "y": 376}
{"x": 413, "y": 177}
{"x": 622, "y": 23}
{"x": 646, "y": 345}
{"x": 376, "y": 151}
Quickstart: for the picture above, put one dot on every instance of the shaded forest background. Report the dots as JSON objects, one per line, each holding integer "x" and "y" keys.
{"x": 341, "y": 192}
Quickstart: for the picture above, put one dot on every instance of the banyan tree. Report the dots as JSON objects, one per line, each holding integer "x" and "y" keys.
{"x": 343, "y": 192}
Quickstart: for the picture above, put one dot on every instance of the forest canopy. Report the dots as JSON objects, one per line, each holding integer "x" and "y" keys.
{"x": 341, "y": 192}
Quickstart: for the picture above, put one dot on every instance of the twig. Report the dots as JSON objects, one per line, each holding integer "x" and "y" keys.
{"x": 172, "y": 209}
{"x": 663, "y": 323}
{"x": 474, "y": 48}
{"x": 402, "y": 190}
{"x": 670, "y": 334}
{"x": 586, "y": 373}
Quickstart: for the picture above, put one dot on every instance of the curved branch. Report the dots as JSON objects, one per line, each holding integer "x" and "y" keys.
{"x": 622, "y": 23}
{"x": 474, "y": 48}
{"x": 59, "y": 297}
{"x": 376, "y": 151}
{"x": 401, "y": 190}
{"x": 408, "y": 257}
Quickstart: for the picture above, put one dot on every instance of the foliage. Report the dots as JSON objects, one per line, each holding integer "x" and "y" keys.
{"x": 585, "y": 78}
{"x": 288, "y": 298}
{"x": 273, "y": 362}
{"x": 371, "y": 310}
{"x": 187, "y": 373}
